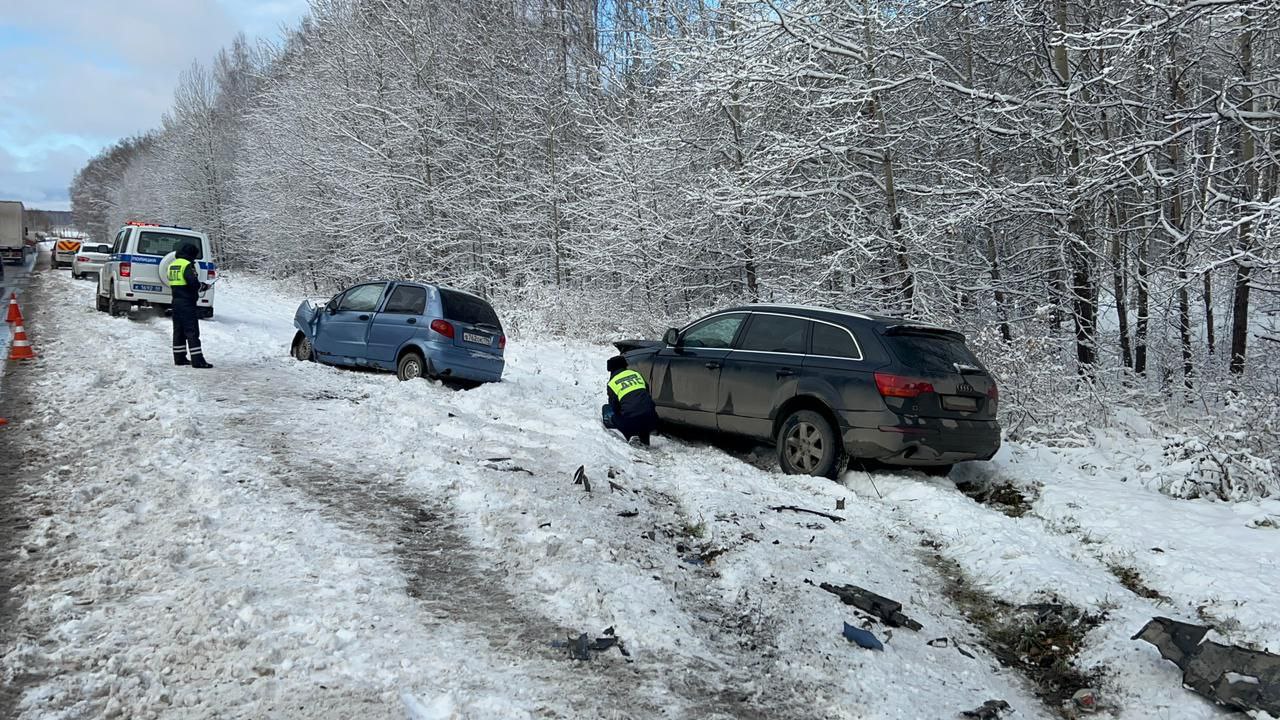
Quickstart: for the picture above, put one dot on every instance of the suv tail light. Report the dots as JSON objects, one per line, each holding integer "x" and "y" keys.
{"x": 443, "y": 327}
{"x": 212, "y": 273}
{"x": 901, "y": 386}
{"x": 502, "y": 342}
{"x": 994, "y": 393}
{"x": 126, "y": 269}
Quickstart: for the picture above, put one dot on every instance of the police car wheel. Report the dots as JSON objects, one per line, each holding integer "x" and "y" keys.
{"x": 411, "y": 367}
{"x": 100, "y": 302}
{"x": 115, "y": 307}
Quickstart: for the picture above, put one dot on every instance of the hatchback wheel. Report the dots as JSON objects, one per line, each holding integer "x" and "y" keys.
{"x": 302, "y": 348}
{"x": 411, "y": 367}
{"x": 808, "y": 445}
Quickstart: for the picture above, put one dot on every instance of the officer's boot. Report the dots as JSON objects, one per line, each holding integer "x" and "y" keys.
{"x": 197, "y": 358}
{"x": 180, "y": 359}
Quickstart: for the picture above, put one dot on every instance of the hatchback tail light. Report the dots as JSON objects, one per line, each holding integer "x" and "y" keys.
{"x": 443, "y": 327}
{"x": 126, "y": 269}
{"x": 82, "y": 259}
{"x": 901, "y": 386}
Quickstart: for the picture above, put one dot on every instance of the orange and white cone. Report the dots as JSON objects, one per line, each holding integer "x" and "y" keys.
{"x": 15, "y": 315}
{"x": 20, "y": 349}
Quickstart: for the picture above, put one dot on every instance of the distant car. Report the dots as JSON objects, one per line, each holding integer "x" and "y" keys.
{"x": 64, "y": 252}
{"x": 90, "y": 259}
{"x": 415, "y": 329}
{"x": 137, "y": 273}
{"x": 824, "y": 386}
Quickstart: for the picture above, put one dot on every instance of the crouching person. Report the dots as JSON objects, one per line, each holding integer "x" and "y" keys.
{"x": 630, "y": 410}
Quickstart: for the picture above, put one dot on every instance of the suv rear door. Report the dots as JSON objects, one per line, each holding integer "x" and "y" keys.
{"x": 475, "y": 325}
{"x": 149, "y": 250}
{"x": 961, "y": 387}
{"x": 761, "y": 372}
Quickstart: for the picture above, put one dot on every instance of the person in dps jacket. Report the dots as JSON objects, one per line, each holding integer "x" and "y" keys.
{"x": 184, "y": 283}
{"x": 630, "y": 410}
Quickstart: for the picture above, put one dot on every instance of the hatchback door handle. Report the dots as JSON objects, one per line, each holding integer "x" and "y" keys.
{"x": 412, "y": 321}
{"x": 713, "y": 366}
{"x": 363, "y": 317}
{"x": 786, "y": 372}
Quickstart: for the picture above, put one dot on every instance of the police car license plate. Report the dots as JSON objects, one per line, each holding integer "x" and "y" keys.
{"x": 148, "y": 288}
{"x": 474, "y": 338}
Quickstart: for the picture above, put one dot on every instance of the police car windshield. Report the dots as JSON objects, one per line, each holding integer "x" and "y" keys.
{"x": 163, "y": 243}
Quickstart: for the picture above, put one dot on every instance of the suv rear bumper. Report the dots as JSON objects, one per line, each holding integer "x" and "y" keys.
{"x": 930, "y": 441}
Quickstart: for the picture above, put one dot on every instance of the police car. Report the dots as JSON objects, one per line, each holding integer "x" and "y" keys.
{"x": 137, "y": 271}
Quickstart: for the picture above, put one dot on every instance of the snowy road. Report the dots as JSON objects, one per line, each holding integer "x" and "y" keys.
{"x": 283, "y": 539}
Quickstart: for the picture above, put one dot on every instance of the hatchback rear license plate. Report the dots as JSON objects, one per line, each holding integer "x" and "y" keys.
{"x": 474, "y": 338}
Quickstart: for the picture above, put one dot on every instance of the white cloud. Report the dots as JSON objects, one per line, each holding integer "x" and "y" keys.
{"x": 81, "y": 74}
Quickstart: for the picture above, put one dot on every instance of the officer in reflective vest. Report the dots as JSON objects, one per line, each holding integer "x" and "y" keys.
{"x": 630, "y": 410}
{"x": 185, "y": 285}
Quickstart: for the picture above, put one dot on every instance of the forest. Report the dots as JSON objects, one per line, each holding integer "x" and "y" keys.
{"x": 1087, "y": 188}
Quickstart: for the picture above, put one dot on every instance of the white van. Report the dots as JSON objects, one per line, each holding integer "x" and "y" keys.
{"x": 137, "y": 273}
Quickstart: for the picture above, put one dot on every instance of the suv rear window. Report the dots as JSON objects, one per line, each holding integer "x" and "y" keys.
{"x": 468, "y": 309}
{"x": 151, "y": 242}
{"x": 932, "y": 353}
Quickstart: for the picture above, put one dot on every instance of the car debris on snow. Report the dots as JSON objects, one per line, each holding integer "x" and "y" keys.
{"x": 1083, "y": 702}
{"x": 584, "y": 648}
{"x": 890, "y": 611}
{"x": 1233, "y": 676}
{"x": 793, "y": 508}
{"x": 862, "y": 638}
{"x": 989, "y": 710}
{"x": 580, "y": 478}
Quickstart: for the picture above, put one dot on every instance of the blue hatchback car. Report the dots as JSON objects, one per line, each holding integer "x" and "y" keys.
{"x": 415, "y": 329}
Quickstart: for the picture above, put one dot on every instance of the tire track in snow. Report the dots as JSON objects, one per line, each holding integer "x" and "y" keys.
{"x": 454, "y": 584}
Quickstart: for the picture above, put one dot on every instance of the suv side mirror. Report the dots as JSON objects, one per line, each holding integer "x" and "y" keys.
{"x": 671, "y": 337}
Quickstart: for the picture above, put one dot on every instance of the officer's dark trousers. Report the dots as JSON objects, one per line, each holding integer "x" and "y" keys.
{"x": 186, "y": 333}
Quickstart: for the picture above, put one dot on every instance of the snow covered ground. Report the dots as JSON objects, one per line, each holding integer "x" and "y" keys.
{"x": 283, "y": 539}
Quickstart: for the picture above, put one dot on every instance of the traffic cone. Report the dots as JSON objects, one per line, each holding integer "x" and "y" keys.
{"x": 15, "y": 315}
{"x": 20, "y": 349}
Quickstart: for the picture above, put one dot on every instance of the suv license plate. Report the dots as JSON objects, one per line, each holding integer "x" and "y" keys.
{"x": 148, "y": 288}
{"x": 474, "y": 338}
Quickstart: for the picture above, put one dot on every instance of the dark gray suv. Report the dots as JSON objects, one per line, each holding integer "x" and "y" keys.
{"x": 826, "y": 386}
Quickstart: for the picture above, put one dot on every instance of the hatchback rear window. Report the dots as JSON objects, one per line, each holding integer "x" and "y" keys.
{"x": 162, "y": 243}
{"x": 931, "y": 353}
{"x": 466, "y": 308}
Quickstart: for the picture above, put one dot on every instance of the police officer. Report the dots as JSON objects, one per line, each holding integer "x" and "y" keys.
{"x": 184, "y": 283}
{"x": 630, "y": 410}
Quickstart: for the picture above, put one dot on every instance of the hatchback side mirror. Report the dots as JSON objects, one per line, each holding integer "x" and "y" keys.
{"x": 672, "y": 337}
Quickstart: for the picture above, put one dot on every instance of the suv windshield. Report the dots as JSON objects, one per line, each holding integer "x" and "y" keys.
{"x": 467, "y": 308}
{"x": 929, "y": 352}
{"x": 151, "y": 242}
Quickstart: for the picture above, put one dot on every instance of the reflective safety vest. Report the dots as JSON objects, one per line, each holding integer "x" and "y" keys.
{"x": 626, "y": 382}
{"x": 176, "y": 270}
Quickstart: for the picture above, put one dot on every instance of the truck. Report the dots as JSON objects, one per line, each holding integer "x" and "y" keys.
{"x": 13, "y": 232}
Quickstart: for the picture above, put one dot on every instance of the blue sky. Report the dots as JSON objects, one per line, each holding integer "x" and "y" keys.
{"x": 77, "y": 75}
